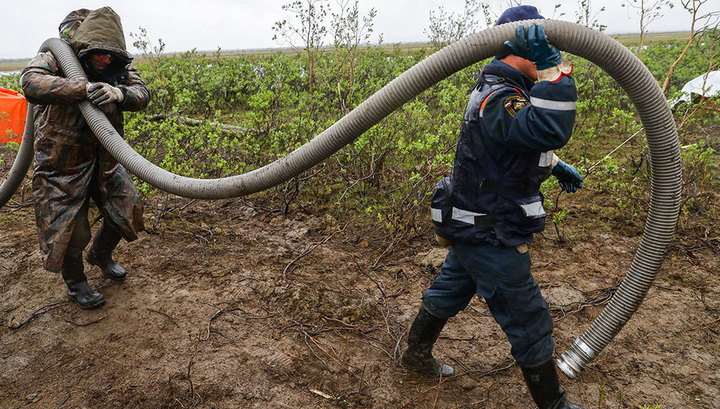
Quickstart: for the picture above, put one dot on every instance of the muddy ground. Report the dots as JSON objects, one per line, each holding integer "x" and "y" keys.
{"x": 227, "y": 305}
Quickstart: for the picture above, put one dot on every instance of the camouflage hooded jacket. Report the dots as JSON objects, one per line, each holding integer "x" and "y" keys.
{"x": 57, "y": 115}
{"x": 71, "y": 164}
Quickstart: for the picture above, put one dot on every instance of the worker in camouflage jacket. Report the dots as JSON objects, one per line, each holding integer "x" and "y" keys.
{"x": 72, "y": 166}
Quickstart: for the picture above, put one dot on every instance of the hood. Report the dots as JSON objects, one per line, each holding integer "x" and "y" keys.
{"x": 102, "y": 31}
{"x": 71, "y": 22}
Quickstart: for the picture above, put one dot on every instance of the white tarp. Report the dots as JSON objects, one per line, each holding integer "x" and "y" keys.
{"x": 695, "y": 87}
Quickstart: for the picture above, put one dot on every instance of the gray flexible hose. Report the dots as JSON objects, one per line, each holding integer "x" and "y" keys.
{"x": 602, "y": 50}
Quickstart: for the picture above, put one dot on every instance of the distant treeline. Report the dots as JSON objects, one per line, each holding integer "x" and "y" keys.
{"x": 13, "y": 65}
{"x": 626, "y": 39}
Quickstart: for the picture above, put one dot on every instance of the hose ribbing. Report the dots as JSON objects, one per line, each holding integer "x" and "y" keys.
{"x": 596, "y": 47}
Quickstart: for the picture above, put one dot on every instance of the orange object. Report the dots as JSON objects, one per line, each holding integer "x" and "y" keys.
{"x": 13, "y": 109}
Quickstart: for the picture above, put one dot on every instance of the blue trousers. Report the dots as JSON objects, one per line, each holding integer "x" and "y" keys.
{"x": 502, "y": 276}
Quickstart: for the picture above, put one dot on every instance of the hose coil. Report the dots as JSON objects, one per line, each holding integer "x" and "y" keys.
{"x": 594, "y": 46}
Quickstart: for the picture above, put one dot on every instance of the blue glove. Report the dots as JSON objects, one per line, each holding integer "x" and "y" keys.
{"x": 568, "y": 177}
{"x": 534, "y": 47}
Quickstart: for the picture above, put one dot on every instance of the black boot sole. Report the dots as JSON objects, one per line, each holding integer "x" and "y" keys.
{"x": 97, "y": 304}
{"x": 93, "y": 261}
{"x": 113, "y": 277}
{"x": 426, "y": 369}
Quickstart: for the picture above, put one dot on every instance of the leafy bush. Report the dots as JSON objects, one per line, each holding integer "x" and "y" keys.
{"x": 219, "y": 115}
{"x": 10, "y": 81}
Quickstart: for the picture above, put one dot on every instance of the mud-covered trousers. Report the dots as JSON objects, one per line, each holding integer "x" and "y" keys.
{"x": 65, "y": 178}
{"x": 502, "y": 276}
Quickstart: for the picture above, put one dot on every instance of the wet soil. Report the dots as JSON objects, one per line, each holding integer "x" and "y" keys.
{"x": 227, "y": 306}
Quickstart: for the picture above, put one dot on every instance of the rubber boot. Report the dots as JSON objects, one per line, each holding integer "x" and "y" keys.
{"x": 78, "y": 288}
{"x": 100, "y": 253}
{"x": 545, "y": 389}
{"x": 423, "y": 333}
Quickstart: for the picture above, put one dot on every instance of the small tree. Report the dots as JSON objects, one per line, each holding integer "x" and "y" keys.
{"x": 446, "y": 28}
{"x": 702, "y": 20}
{"x": 349, "y": 32}
{"x": 649, "y": 10}
{"x": 142, "y": 43}
{"x": 309, "y": 28}
{"x": 588, "y": 17}
{"x": 709, "y": 46}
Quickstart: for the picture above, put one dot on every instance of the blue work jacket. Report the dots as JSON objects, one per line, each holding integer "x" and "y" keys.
{"x": 510, "y": 128}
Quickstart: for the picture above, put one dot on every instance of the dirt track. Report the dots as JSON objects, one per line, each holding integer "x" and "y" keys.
{"x": 227, "y": 307}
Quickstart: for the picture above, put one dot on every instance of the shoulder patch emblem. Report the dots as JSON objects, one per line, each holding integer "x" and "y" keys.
{"x": 514, "y": 103}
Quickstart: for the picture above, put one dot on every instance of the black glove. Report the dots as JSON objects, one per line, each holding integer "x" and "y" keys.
{"x": 100, "y": 93}
{"x": 534, "y": 47}
{"x": 568, "y": 177}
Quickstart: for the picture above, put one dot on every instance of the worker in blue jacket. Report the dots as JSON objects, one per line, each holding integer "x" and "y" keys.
{"x": 490, "y": 206}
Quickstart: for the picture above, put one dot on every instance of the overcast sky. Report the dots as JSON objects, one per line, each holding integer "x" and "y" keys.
{"x": 247, "y": 24}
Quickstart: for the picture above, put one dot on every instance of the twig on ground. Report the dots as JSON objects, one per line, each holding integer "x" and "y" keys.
{"x": 376, "y": 282}
{"x": 561, "y": 239}
{"x": 426, "y": 391}
{"x": 601, "y": 299}
{"x": 476, "y": 374}
{"x": 306, "y": 336}
{"x": 378, "y": 348}
{"x": 192, "y": 387}
{"x": 489, "y": 389}
{"x": 302, "y": 254}
{"x": 387, "y": 251}
{"x": 323, "y": 394}
{"x": 162, "y": 313}
{"x": 37, "y": 313}
{"x": 705, "y": 303}
{"x": 61, "y": 402}
{"x": 481, "y": 374}
{"x": 457, "y": 361}
{"x": 379, "y": 286}
{"x": 217, "y": 314}
{"x": 705, "y": 324}
{"x": 18, "y": 206}
{"x": 309, "y": 250}
{"x": 667, "y": 288}
{"x": 712, "y": 244}
{"x": 396, "y": 351}
{"x": 164, "y": 210}
{"x": 199, "y": 239}
{"x": 347, "y": 326}
{"x": 598, "y": 370}
{"x": 393, "y": 264}
{"x": 472, "y": 404}
{"x": 85, "y": 324}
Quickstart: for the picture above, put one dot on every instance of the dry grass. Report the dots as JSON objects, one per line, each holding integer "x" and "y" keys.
{"x": 12, "y": 65}
{"x": 652, "y": 38}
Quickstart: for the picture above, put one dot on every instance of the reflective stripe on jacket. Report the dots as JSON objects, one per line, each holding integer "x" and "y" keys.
{"x": 504, "y": 153}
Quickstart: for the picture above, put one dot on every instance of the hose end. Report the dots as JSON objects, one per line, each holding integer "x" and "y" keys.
{"x": 567, "y": 366}
{"x": 572, "y": 361}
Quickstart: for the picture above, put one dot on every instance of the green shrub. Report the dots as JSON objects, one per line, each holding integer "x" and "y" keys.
{"x": 388, "y": 173}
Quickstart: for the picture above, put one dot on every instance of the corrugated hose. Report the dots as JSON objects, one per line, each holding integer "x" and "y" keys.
{"x": 608, "y": 54}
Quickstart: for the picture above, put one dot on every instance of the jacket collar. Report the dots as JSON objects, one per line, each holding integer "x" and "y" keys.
{"x": 511, "y": 74}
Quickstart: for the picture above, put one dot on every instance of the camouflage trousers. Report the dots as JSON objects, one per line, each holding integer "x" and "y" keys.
{"x": 65, "y": 178}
